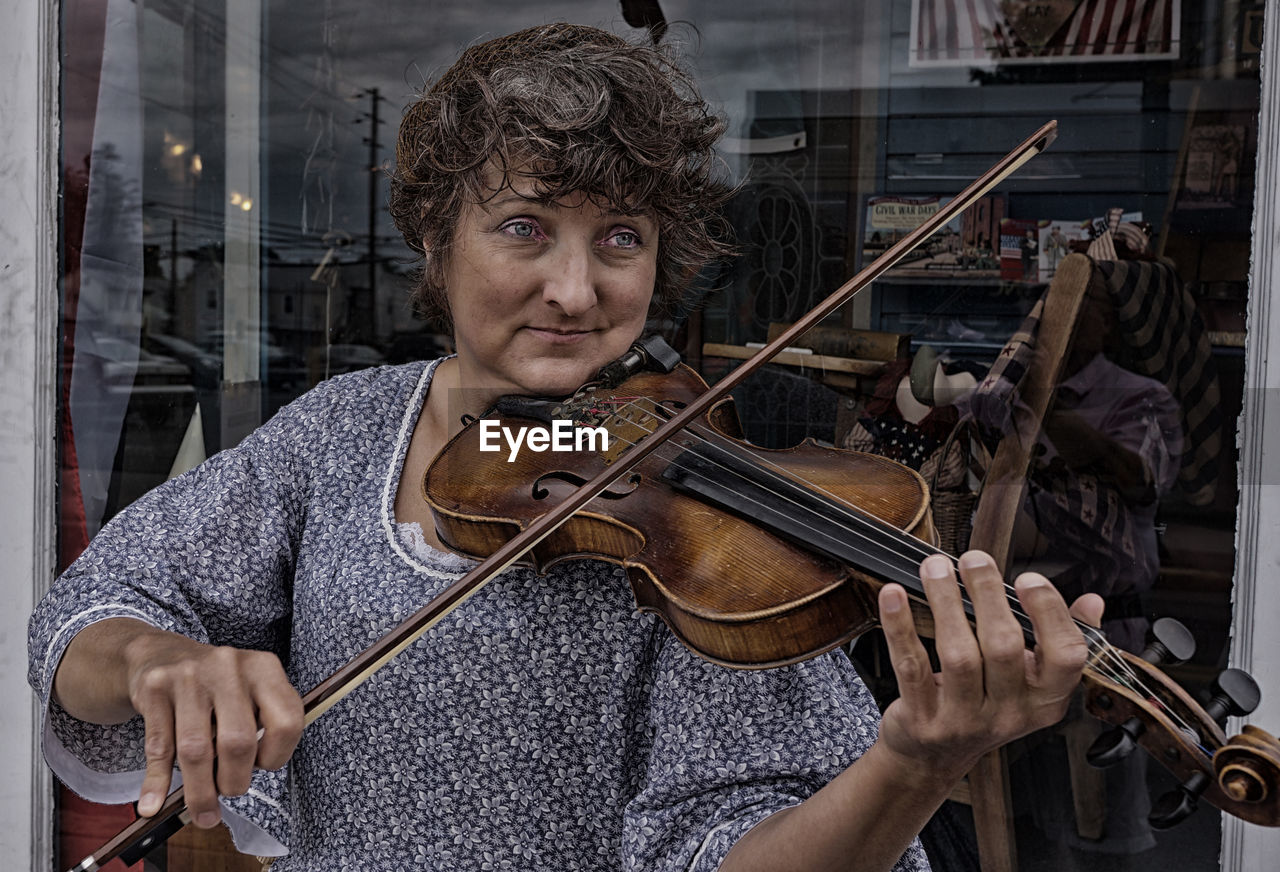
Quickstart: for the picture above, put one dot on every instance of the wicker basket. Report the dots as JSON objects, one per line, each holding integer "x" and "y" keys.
{"x": 952, "y": 499}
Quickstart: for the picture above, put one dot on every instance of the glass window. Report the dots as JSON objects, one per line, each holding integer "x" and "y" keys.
{"x": 227, "y": 246}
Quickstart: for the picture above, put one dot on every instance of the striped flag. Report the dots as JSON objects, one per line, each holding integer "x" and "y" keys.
{"x": 966, "y": 32}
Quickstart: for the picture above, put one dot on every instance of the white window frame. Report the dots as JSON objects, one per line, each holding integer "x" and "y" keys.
{"x": 28, "y": 333}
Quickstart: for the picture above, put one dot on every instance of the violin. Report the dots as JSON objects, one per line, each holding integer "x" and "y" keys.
{"x": 749, "y": 555}
{"x": 816, "y": 532}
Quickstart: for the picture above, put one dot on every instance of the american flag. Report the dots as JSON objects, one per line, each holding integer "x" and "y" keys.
{"x": 959, "y": 32}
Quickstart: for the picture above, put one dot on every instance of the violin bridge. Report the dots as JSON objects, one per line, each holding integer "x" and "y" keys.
{"x": 626, "y": 419}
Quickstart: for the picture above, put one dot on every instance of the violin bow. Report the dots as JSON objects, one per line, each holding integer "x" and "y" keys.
{"x": 144, "y": 834}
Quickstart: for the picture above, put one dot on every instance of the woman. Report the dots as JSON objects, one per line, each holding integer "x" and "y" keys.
{"x": 560, "y": 184}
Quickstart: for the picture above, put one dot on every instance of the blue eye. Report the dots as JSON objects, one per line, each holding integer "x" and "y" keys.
{"x": 522, "y": 228}
{"x": 626, "y": 239}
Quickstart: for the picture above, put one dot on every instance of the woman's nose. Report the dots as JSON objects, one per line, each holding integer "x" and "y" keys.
{"x": 570, "y": 281}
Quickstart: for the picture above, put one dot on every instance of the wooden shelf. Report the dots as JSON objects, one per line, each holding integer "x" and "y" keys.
{"x": 819, "y": 362}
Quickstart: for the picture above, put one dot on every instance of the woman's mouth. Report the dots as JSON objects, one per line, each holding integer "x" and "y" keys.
{"x": 558, "y": 335}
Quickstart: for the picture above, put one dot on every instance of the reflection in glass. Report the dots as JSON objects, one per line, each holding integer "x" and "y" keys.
{"x": 227, "y": 244}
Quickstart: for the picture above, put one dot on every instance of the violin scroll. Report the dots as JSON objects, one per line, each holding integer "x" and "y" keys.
{"x": 1248, "y": 766}
{"x": 1240, "y": 776}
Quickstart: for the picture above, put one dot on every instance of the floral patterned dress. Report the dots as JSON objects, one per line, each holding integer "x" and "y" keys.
{"x": 542, "y": 725}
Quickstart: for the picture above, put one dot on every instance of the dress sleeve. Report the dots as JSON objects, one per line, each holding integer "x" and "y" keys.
{"x": 208, "y": 554}
{"x": 730, "y": 747}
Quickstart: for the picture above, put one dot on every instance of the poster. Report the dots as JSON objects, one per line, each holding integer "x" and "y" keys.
{"x": 963, "y": 247}
{"x": 1020, "y": 249}
{"x": 1055, "y": 238}
{"x": 1211, "y": 172}
{"x": 984, "y": 32}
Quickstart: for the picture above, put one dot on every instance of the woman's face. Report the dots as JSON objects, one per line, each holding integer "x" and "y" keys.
{"x": 542, "y": 296}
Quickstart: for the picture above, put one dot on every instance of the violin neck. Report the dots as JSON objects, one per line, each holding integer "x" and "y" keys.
{"x": 724, "y": 474}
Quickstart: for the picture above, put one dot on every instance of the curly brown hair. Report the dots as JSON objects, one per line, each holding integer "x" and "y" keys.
{"x": 577, "y": 110}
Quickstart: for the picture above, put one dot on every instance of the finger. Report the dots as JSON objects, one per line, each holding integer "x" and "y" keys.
{"x": 1061, "y": 650}
{"x": 157, "y": 721}
{"x": 1000, "y": 636}
{"x": 1089, "y": 609}
{"x": 236, "y": 733}
{"x": 280, "y": 715}
{"x": 916, "y": 684}
{"x": 193, "y": 737}
{"x": 958, "y": 653}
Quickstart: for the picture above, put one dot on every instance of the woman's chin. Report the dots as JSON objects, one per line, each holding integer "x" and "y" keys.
{"x": 552, "y": 376}
{"x": 558, "y": 381}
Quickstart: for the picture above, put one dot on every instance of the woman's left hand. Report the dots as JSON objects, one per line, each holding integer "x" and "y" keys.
{"x": 990, "y": 688}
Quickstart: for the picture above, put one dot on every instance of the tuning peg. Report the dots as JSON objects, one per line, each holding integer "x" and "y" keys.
{"x": 1234, "y": 693}
{"x": 1115, "y": 744}
{"x": 1174, "y": 807}
{"x": 1171, "y": 643}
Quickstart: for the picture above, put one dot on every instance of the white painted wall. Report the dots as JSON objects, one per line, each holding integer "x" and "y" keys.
{"x": 1255, "y": 642}
{"x": 28, "y": 322}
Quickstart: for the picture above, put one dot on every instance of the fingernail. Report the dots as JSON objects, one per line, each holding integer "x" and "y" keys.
{"x": 891, "y": 604}
{"x": 974, "y": 559}
{"x": 148, "y": 804}
{"x": 207, "y": 819}
{"x": 936, "y": 566}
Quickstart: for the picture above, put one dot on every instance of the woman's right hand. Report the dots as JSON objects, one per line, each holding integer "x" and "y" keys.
{"x": 202, "y": 706}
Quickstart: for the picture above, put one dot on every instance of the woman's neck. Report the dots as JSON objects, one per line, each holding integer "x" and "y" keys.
{"x": 449, "y": 401}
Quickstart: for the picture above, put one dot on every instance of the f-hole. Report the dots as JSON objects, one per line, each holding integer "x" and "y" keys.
{"x": 551, "y": 482}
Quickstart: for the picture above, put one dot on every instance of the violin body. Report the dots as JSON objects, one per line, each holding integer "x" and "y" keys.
{"x": 733, "y": 591}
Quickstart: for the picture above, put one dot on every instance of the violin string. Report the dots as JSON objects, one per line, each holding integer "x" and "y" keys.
{"x": 909, "y": 545}
{"x": 1106, "y": 659}
{"x": 1104, "y": 656}
{"x": 1099, "y": 648}
{"x": 1100, "y": 652}
{"x": 913, "y": 547}
{"x": 916, "y": 547}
